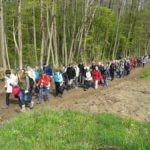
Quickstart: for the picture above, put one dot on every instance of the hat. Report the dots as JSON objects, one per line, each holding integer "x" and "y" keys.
{"x": 7, "y": 72}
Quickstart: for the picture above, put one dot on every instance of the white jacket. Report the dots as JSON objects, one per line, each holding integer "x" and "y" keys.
{"x": 31, "y": 74}
{"x": 88, "y": 76}
{"x": 77, "y": 70}
{"x": 61, "y": 79}
{"x": 9, "y": 81}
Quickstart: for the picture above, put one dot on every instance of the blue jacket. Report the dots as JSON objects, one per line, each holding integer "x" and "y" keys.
{"x": 37, "y": 74}
{"x": 56, "y": 77}
{"x": 48, "y": 70}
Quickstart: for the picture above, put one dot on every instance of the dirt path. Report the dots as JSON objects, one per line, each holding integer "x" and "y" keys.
{"x": 127, "y": 97}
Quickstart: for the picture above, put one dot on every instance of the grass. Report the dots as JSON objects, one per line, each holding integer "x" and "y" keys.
{"x": 145, "y": 73}
{"x": 49, "y": 130}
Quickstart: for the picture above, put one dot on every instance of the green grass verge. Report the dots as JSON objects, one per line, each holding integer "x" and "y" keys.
{"x": 145, "y": 73}
{"x": 50, "y": 130}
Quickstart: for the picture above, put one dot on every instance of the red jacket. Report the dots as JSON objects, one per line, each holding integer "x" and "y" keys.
{"x": 131, "y": 66}
{"x": 96, "y": 74}
{"x": 135, "y": 61}
{"x": 44, "y": 79}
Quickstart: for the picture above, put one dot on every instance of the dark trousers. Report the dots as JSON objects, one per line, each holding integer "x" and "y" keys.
{"x": 143, "y": 65}
{"x": 87, "y": 84}
{"x": 112, "y": 74}
{"x": 59, "y": 88}
{"x": 7, "y": 98}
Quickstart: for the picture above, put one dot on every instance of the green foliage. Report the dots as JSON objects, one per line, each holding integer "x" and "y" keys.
{"x": 46, "y": 129}
{"x": 104, "y": 23}
{"x": 145, "y": 74}
{"x": 101, "y": 32}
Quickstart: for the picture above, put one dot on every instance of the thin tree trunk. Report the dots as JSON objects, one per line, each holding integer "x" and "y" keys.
{"x": 85, "y": 27}
{"x": 128, "y": 38}
{"x": 34, "y": 36}
{"x": 73, "y": 40}
{"x": 2, "y": 38}
{"x": 105, "y": 44}
{"x": 55, "y": 37}
{"x": 20, "y": 35}
{"x": 147, "y": 47}
{"x": 50, "y": 34}
{"x": 64, "y": 46}
{"x": 7, "y": 56}
{"x": 117, "y": 48}
{"x": 43, "y": 35}
{"x": 14, "y": 37}
{"x": 117, "y": 30}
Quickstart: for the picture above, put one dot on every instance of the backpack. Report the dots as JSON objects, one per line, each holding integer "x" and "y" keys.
{"x": 112, "y": 67}
{"x": 56, "y": 77}
{"x": 31, "y": 82}
{"x": 37, "y": 74}
{"x": 15, "y": 90}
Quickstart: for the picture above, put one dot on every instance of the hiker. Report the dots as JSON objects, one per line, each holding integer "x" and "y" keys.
{"x": 100, "y": 67}
{"x": 81, "y": 73}
{"x": 134, "y": 62}
{"x": 144, "y": 60}
{"x": 58, "y": 83}
{"x": 88, "y": 78}
{"x": 121, "y": 69}
{"x": 24, "y": 94}
{"x": 37, "y": 73}
{"x": 77, "y": 71}
{"x": 97, "y": 76}
{"x": 10, "y": 81}
{"x": 139, "y": 61}
{"x": 93, "y": 65}
{"x": 63, "y": 71}
{"x": 112, "y": 70}
{"x": 44, "y": 87}
{"x": 48, "y": 70}
{"x": 30, "y": 72}
{"x": 71, "y": 75}
{"x": 127, "y": 67}
{"x": 105, "y": 76}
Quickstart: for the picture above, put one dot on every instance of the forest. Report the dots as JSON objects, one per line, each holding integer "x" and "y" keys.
{"x": 59, "y": 32}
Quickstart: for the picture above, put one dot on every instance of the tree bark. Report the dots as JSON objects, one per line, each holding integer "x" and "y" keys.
{"x": 50, "y": 34}
{"x": 19, "y": 35}
{"x": 74, "y": 9}
{"x": 43, "y": 34}
{"x": 64, "y": 45}
{"x": 2, "y": 37}
{"x": 55, "y": 36}
{"x": 7, "y": 56}
{"x": 117, "y": 29}
{"x": 34, "y": 36}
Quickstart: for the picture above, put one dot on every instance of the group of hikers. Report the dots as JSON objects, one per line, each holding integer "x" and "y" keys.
{"x": 23, "y": 83}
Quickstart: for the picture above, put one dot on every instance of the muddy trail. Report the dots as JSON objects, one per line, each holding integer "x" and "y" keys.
{"x": 128, "y": 96}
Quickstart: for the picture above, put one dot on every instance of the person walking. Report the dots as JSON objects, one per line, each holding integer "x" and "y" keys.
{"x": 97, "y": 76}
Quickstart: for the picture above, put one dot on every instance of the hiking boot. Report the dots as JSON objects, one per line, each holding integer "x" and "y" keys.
{"x": 6, "y": 107}
{"x": 39, "y": 102}
{"x": 23, "y": 109}
{"x": 60, "y": 95}
{"x": 31, "y": 105}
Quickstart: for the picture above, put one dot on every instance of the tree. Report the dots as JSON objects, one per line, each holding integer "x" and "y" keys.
{"x": 2, "y": 36}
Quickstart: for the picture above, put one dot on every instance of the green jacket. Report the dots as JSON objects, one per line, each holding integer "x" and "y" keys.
{"x": 25, "y": 85}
